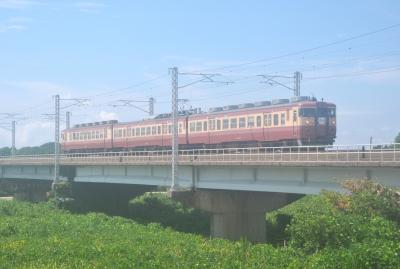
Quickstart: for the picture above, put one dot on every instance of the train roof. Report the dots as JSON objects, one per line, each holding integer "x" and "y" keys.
{"x": 301, "y": 100}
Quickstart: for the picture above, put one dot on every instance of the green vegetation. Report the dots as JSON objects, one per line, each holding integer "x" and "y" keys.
{"x": 330, "y": 230}
{"x": 157, "y": 207}
{"x": 47, "y": 148}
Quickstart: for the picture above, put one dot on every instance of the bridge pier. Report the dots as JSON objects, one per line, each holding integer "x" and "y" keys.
{"x": 235, "y": 214}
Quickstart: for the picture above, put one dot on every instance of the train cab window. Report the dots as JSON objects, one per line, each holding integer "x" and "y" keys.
{"x": 283, "y": 119}
{"x": 294, "y": 115}
{"x": 159, "y": 129}
{"x": 307, "y": 112}
{"x": 258, "y": 121}
{"x": 332, "y": 112}
{"x": 142, "y": 131}
{"x": 205, "y": 126}
{"x": 276, "y": 119}
{"x": 225, "y": 124}
{"x": 192, "y": 127}
{"x": 250, "y": 121}
{"x": 218, "y": 124}
{"x": 169, "y": 128}
{"x": 242, "y": 122}
{"x": 233, "y": 123}
{"x": 199, "y": 126}
{"x": 211, "y": 123}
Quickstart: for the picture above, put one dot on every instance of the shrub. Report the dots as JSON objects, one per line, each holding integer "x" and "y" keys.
{"x": 157, "y": 207}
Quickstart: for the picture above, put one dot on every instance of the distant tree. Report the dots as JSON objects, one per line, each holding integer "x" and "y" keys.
{"x": 47, "y": 148}
{"x": 6, "y": 151}
{"x": 397, "y": 139}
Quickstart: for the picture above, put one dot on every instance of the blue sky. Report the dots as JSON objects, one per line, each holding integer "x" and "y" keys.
{"x": 98, "y": 49}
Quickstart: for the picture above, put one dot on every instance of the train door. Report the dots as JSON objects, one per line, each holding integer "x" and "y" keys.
{"x": 187, "y": 130}
{"x": 266, "y": 129}
{"x": 295, "y": 125}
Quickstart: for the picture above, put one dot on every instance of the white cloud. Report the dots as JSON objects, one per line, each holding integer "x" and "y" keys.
{"x": 89, "y": 6}
{"x": 105, "y": 115}
{"x": 17, "y": 4}
{"x": 14, "y": 24}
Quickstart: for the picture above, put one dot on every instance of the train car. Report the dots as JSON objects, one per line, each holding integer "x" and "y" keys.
{"x": 299, "y": 121}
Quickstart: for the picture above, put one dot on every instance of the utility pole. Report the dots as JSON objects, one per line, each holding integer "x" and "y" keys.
{"x": 11, "y": 127}
{"x": 13, "y": 149}
{"x": 175, "y": 114}
{"x": 151, "y": 106}
{"x": 67, "y": 119}
{"x": 57, "y": 108}
{"x": 271, "y": 80}
{"x": 297, "y": 77}
{"x": 175, "y": 141}
{"x": 56, "y": 139}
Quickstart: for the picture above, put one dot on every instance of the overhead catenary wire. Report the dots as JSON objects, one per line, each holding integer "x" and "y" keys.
{"x": 294, "y": 53}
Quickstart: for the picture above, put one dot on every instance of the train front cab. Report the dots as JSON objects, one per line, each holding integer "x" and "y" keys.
{"x": 317, "y": 123}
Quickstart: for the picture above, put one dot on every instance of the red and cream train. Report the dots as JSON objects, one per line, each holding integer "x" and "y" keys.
{"x": 301, "y": 120}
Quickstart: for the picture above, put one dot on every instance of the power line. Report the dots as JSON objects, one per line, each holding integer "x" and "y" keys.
{"x": 363, "y": 73}
{"x": 306, "y": 50}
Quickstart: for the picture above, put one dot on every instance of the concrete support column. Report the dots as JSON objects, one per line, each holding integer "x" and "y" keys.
{"x": 235, "y": 214}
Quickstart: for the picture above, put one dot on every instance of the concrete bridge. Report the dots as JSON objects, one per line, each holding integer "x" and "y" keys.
{"x": 237, "y": 185}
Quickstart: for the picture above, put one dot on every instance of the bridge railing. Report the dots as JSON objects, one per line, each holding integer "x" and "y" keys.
{"x": 335, "y": 153}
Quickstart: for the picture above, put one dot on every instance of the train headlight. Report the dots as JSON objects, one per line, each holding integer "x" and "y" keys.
{"x": 333, "y": 122}
{"x": 307, "y": 122}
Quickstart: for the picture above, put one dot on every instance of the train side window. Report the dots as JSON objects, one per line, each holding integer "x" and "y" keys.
{"x": 218, "y": 124}
{"x": 258, "y": 121}
{"x": 276, "y": 119}
{"x": 180, "y": 127}
{"x": 142, "y": 131}
{"x": 233, "y": 123}
{"x": 101, "y": 134}
{"x": 164, "y": 129}
{"x": 242, "y": 122}
{"x": 148, "y": 130}
{"x": 283, "y": 119}
{"x": 124, "y": 134}
{"x": 294, "y": 115}
{"x": 120, "y": 133}
{"x": 159, "y": 129}
{"x": 211, "y": 123}
{"x": 169, "y": 128}
{"x": 128, "y": 132}
{"x": 287, "y": 115}
{"x": 250, "y": 121}
{"x": 137, "y": 131}
{"x": 192, "y": 127}
{"x": 154, "y": 130}
{"x": 199, "y": 126}
{"x": 205, "y": 126}
{"x": 225, "y": 124}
